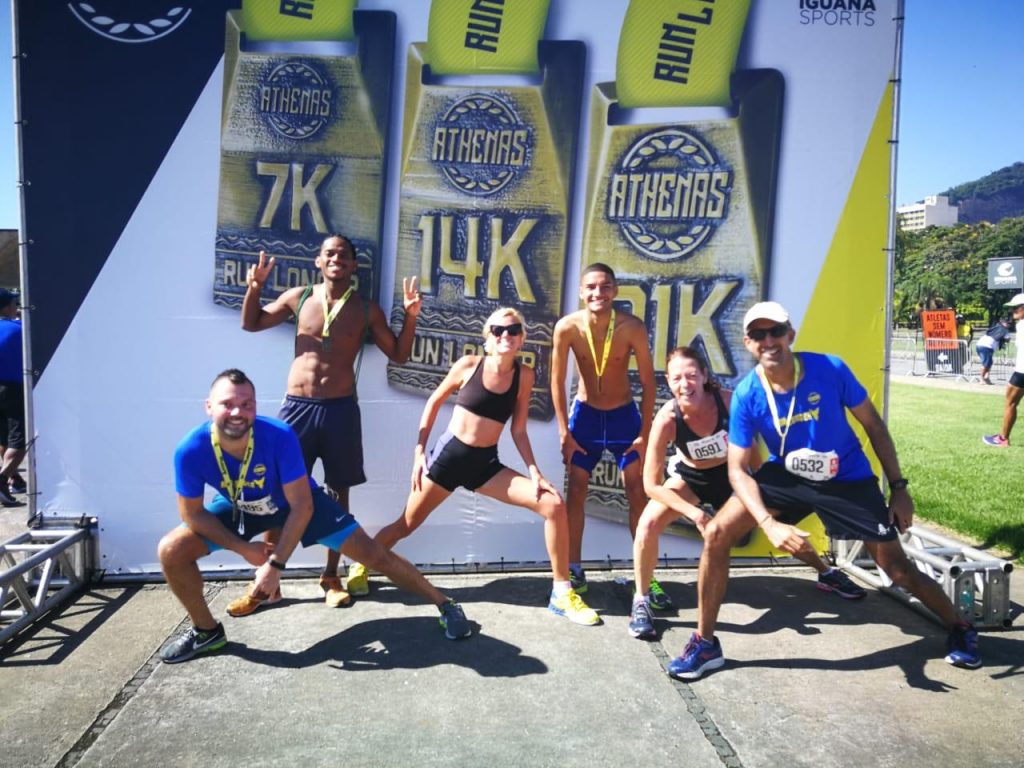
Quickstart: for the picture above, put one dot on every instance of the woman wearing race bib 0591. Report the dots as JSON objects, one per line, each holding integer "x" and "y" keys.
{"x": 696, "y": 422}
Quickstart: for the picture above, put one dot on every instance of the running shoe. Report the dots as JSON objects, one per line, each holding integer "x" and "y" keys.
{"x": 334, "y": 595}
{"x": 571, "y": 606}
{"x": 996, "y": 441}
{"x": 962, "y": 646}
{"x": 578, "y": 579}
{"x": 193, "y": 642}
{"x": 453, "y": 621}
{"x": 6, "y": 499}
{"x": 660, "y": 601}
{"x": 358, "y": 582}
{"x": 641, "y": 625}
{"x": 250, "y": 601}
{"x": 699, "y": 656}
{"x": 834, "y": 580}
{"x": 18, "y": 485}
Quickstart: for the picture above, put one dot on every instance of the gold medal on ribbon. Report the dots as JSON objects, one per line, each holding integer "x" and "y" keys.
{"x": 486, "y": 185}
{"x": 682, "y": 210}
{"x": 303, "y": 141}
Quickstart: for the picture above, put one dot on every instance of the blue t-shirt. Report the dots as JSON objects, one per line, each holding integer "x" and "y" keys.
{"x": 276, "y": 461}
{"x": 12, "y": 366}
{"x": 824, "y": 393}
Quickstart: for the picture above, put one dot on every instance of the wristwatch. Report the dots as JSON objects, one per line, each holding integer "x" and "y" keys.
{"x": 899, "y": 484}
{"x": 276, "y": 564}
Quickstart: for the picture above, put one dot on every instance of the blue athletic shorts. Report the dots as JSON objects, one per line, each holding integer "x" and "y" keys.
{"x": 330, "y": 525}
{"x": 985, "y": 353}
{"x": 597, "y": 431}
{"x": 850, "y": 510}
{"x": 330, "y": 430}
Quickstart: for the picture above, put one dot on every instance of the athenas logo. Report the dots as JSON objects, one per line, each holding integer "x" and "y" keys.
{"x": 124, "y": 21}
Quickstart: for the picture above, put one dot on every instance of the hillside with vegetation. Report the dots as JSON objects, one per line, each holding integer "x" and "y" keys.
{"x": 947, "y": 267}
{"x": 992, "y": 198}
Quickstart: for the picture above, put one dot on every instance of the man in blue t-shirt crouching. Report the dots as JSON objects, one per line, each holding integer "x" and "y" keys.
{"x": 255, "y": 464}
{"x": 797, "y": 403}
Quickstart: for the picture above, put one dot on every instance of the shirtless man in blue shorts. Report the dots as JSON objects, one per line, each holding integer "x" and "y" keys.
{"x": 256, "y": 466}
{"x": 797, "y": 403}
{"x": 332, "y": 323}
{"x": 604, "y": 415}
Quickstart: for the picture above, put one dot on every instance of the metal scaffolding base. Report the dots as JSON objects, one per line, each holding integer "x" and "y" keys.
{"x": 977, "y": 583}
{"x": 43, "y": 568}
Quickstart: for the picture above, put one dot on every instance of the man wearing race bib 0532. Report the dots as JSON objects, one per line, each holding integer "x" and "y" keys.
{"x": 797, "y": 403}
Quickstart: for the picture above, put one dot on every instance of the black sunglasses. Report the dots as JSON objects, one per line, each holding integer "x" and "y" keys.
{"x": 515, "y": 329}
{"x": 776, "y": 332}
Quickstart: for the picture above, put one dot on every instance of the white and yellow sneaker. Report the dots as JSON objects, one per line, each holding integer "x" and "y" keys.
{"x": 358, "y": 582}
{"x": 571, "y": 606}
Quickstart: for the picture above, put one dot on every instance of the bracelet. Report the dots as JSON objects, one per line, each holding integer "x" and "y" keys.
{"x": 899, "y": 484}
{"x": 276, "y": 564}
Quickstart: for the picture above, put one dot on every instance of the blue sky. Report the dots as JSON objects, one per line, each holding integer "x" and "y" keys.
{"x": 961, "y": 117}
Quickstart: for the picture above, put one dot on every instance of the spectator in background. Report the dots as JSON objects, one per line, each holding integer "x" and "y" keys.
{"x": 12, "y": 396}
{"x": 994, "y": 338}
{"x": 1015, "y": 387}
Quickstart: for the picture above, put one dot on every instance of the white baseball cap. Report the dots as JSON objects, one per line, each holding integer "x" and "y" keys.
{"x": 771, "y": 310}
{"x": 1016, "y": 301}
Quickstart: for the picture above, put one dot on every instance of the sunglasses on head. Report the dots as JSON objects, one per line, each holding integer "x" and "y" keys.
{"x": 776, "y": 332}
{"x": 515, "y": 329}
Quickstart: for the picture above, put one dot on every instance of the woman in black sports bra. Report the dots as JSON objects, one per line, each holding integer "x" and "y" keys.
{"x": 492, "y": 389}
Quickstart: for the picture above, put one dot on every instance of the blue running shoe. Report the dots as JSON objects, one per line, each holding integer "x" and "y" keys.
{"x": 453, "y": 621}
{"x": 962, "y": 646}
{"x": 577, "y": 579}
{"x": 834, "y": 580}
{"x": 699, "y": 656}
{"x": 660, "y": 601}
{"x": 641, "y": 625}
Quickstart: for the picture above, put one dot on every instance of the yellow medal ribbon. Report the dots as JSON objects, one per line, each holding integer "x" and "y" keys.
{"x": 678, "y": 53}
{"x": 599, "y": 367}
{"x": 333, "y": 313}
{"x": 771, "y": 401}
{"x": 470, "y": 37}
{"x": 234, "y": 488}
{"x": 298, "y": 19}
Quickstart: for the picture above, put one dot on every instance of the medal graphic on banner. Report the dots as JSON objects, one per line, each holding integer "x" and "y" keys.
{"x": 486, "y": 184}
{"x": 682, "y": 210}
{"x": 303, "y": 141}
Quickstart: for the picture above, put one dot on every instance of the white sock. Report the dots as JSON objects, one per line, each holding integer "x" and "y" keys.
{"x": 560, "y": 588}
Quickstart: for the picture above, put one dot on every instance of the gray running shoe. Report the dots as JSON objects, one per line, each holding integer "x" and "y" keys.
{"x": 641, "y": 625}
{"x": 194, "y": 642}
{"x": 838, "y": 582}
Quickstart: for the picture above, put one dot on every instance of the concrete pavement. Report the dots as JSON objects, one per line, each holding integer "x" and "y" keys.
{"x": 810, "y": 680}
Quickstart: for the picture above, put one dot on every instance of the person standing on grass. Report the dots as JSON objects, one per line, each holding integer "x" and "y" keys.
{"x": 798, "y": 404}
{"x": 696, "y": 422}
{"x": 1015, "y": 388}
{"x": 604, "y": 415}
{"x": 994, "y": 338}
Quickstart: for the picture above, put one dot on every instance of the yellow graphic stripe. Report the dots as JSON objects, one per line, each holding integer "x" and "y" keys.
{"x": 846, "y": 315}
{"x": 678, "y": 52}
{"x": 467, "y": 37}
{"x": 298, "y": 19}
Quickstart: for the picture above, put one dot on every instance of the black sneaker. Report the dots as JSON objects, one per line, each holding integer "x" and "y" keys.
{"x": 194, "y": 642}
{"x": 660, "y": 601}
{"x": 836, "y": 581}
{"x": 578, "y": 580}
{"x": 6, "y": 499}
{"x": 18, "y": 485}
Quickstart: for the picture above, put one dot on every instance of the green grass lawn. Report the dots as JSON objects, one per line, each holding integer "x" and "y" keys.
{"x": 956, "y": 480}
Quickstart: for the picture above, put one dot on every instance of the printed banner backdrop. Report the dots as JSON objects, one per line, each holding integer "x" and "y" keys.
{"x": 137, "y": 245}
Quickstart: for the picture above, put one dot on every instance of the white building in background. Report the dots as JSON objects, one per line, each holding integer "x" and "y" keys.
{"x": 934, "y": 211}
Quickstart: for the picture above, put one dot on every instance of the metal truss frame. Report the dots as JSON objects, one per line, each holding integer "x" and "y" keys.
{"x": 977, "y": 583}
{"x": 42, "y": 568}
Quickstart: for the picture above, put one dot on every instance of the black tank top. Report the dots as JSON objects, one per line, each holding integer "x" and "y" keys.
{"x": 684, "y": 435}
{"x": 476, "y": 398}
